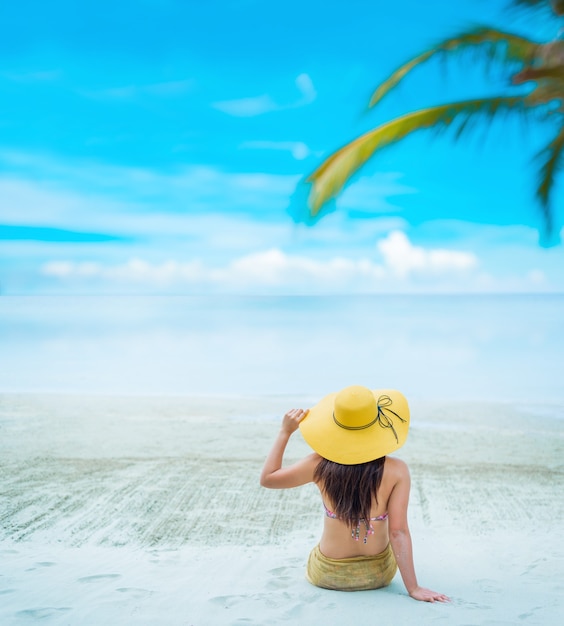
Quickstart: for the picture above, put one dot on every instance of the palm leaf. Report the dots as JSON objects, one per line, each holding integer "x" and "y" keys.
{"x": 332, "y": 175}
{"x": 548, "y": 92}
{"x": 555, "y": 73}
{"x": 399, "y": 75}
{"x": 530, "y": 3}
{"x": 497, "y": 44}
{"x": 552, "y": 162}
{"x": 549, "y": 7}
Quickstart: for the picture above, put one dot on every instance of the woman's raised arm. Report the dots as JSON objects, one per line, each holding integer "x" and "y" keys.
{"x": 273, "y": 475}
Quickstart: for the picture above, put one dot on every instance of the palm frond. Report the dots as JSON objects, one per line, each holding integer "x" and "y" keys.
{"x": 398, "y": 75}
{"x": 497, "y": 44}
{"x": 548, "y": 92}
{"x": 530, "y": 3}
{"x": 554, "y": 7}
{"x": 553, "y": 74}
{"x": 333, "y": 174}
{"x": 551, "y": 163}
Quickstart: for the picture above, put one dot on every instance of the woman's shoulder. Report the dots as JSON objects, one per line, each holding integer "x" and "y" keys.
{"x": 313, "y": 458}
{"x": 396, "y": 468}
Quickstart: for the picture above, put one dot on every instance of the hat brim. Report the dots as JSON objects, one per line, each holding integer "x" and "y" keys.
{"x": 351, "y": 447}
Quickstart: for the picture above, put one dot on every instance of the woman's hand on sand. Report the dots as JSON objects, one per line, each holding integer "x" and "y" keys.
{"x": 426, "y": 595}
{"x": 292, "y": 419}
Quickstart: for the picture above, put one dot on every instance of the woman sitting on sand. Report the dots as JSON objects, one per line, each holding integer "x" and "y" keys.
{"x": 364, "y": 492}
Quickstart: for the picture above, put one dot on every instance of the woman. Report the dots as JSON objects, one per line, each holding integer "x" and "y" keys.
{"x": 365, "y": 493}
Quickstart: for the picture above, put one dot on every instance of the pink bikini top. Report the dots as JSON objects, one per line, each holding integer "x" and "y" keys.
{"x": 356, "y": 531}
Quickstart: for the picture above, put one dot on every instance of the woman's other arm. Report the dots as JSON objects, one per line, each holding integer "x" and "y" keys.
{"x": 400, "y": 537}
{"x": 273, "y": 475}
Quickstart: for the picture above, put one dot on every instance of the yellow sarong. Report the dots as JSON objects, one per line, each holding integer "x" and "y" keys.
{"x": 353, "y": 574}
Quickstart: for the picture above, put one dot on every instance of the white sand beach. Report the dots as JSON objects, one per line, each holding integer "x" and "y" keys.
{"x": 132, "y": 510}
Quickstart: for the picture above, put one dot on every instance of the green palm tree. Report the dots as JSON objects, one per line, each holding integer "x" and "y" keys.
{"x": 527, "y": 61}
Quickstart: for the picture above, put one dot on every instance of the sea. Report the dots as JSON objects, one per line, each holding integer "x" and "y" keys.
{"x": 432, "y": 347}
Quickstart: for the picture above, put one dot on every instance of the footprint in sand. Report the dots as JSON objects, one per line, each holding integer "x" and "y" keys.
{"x": 40, "y": 564}
{"x": 294, "y": 613}
{"x": 470, "y": 605}
{"x": 98, "y": 577}
{"x": 225, "y": 601}
{"x": 488, "y": 585}
{"x": 282, "y": 577}
{"x": 530, "y": 613}
{"x": 42, "y": 613}
{"x": 7, "y": 552}
{"x": 136, "y": 592}
{"x": 281, "y": 571}
{"x": 532, "y": 566}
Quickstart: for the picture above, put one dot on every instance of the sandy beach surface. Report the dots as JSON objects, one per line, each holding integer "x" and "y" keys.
{"x": 132, "y": 510}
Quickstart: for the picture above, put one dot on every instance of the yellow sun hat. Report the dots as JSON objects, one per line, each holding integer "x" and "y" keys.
{"x": 357, "y": 424}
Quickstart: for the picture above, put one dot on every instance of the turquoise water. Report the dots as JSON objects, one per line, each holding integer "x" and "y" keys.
{"x": 431, "y": 347}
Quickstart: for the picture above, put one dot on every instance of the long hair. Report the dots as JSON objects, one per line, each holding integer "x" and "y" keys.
{"x": 351, "y": 488}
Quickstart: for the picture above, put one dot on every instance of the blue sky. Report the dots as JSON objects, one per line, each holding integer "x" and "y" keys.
{"x": 158, "y": 146}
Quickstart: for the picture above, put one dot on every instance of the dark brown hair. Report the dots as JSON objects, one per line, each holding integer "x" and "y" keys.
{"x": 351, "y": 488}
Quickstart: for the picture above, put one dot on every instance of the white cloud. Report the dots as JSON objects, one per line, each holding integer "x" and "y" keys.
{"x": 404, "y": 268}
{"x": 274, "y": 269}
{"x": 66, "y": 269}
{"x": 199, "y": 229}
{"x": 264, "y": 269}
{"x": 537, "y": 277}
{"x": 130, "y": 92}
{"x": 41, "y": 203}
{"x": 403, "y": 258}
{"x": 247, "y": 107}
{"x": 298, "y": 149}
{"x": 135, "y": 271}
{"x": 258, "y": 105}
{"x": 41, "y": 191}
{"x": 305, "y": 85}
